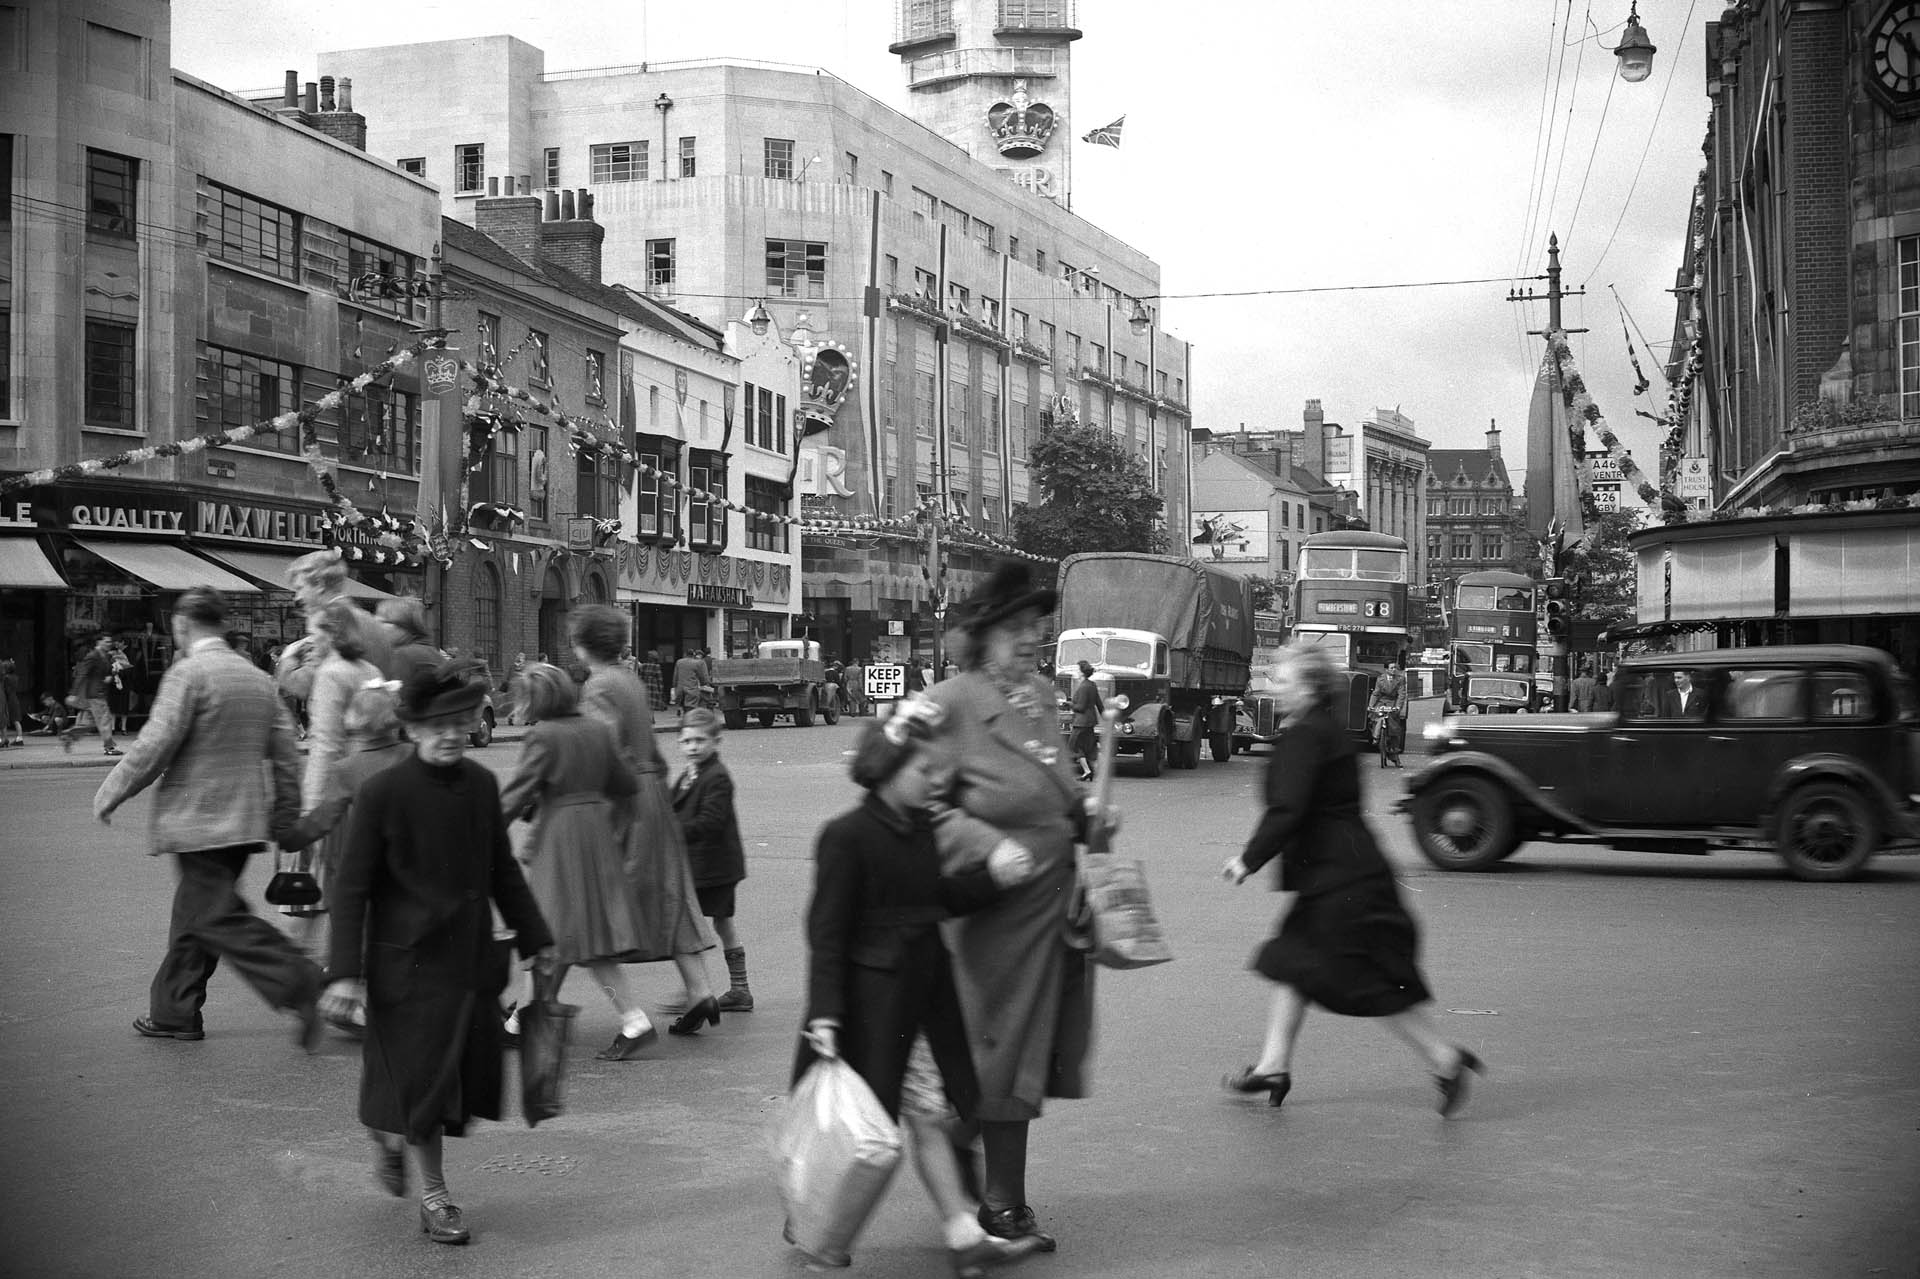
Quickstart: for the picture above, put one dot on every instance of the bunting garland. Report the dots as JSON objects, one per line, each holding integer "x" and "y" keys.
{"x": 1573, "y": 391}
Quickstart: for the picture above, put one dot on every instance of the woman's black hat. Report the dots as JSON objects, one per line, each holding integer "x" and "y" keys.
{"x": 453, "y": 687}
{"x": 1008, "y": 590}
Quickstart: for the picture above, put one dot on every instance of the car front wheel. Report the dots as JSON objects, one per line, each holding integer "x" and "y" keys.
{"x": 1827, "y": 832}
{"x": 1464, "y": 823}
{"x": 483, "y": 735}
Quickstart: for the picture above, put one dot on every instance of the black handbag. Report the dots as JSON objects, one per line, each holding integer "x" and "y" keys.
{"x": 293, "y": 887}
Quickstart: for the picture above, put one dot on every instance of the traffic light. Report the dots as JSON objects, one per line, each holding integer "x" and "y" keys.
{"x": 1559, "y": 609}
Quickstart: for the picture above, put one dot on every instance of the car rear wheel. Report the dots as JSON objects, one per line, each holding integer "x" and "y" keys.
{"x": 1827, "y": 832}
{"x": 1464, "y": 823}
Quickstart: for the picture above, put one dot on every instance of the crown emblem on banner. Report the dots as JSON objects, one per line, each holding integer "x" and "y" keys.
{"x": 829, "y": 379}
{"x": 1021, "y": 127}
{"x": 442, "y": 371}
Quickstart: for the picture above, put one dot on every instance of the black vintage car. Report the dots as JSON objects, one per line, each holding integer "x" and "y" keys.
{"x": 1812, "y": 751}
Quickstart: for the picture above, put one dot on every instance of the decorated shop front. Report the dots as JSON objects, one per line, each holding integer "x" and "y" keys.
{"x": 686, "y": 600}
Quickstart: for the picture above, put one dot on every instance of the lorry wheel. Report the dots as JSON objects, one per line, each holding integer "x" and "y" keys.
{"x": 767, "y": 718}
{"x": 803, "y": 714}
{"x": 1221, "y": 744}
{"x": 831, "y": 712}
{"x": 736, "y": 719}
{"x": 1464, "y": 822}
{"x": 1155, "y": 756}
{"x": 1827, "y": 832}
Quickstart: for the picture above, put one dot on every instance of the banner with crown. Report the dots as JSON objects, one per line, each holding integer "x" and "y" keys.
{"x": 830, "y": 378}
{"x": 441, "y": 372}
{"x": 1021, "y": 126}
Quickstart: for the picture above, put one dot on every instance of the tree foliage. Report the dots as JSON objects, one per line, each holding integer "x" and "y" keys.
{"x": 1095, "y": 496}
{"x": 1601, "y": 566}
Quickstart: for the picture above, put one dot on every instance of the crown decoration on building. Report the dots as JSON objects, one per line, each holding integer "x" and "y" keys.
{"x": 1020, "y": 126}
{"x": 441, "y": 371}
{"x": 830, "y": 377}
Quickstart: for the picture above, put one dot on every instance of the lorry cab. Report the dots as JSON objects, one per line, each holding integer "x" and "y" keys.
{"x": 1128, "y": 662}
{"x": 803, "y": 650}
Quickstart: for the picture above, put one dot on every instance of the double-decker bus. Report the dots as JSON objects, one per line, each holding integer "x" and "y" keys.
{"x": 1492, "y": 633}
{"x": 1350, "y": 598}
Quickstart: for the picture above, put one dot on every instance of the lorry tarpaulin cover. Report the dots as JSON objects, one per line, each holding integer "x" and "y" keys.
{"x": 1193, "y": 605}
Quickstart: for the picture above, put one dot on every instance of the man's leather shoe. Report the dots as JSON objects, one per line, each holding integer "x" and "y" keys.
{"x": 1016, "y": 1223}
{"x": 154, "y": 1030}
{"x": 973, "y": 1262}
{"x": 443, "y": 1225}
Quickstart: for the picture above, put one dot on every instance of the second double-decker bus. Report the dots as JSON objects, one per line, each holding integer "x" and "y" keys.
{"x": 1350, "y": 598}
{"x": 1492, "y": 633}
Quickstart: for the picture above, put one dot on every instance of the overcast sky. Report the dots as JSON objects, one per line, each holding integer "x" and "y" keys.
{"x": 1269, "y": 145}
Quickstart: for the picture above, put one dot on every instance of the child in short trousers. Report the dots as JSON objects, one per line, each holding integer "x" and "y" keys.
{"x": 703, "y": 802}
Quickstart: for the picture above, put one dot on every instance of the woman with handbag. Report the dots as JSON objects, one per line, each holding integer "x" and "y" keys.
{"x": 1026, "y": 992}
{"x": 569, "y": 776}
{"x": 655, "y": 853}
{"x": 1347, "y": 942}
{"x": 880, "y": 989}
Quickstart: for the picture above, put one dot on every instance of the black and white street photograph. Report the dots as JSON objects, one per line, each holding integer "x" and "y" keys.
{"x": 1064, "y": 638}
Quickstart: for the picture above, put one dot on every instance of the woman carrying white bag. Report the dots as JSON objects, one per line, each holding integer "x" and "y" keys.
{"x": 884, "y": 1038}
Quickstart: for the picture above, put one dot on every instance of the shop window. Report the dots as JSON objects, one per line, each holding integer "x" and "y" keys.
{"x": 111, "y": 181}
{"x": 110, "y": 385}
{"x": 769, "y": 496}
{"x": 706, "y": 518}
{"x": 486, "y": 614}
{"x": 252, "y": 232}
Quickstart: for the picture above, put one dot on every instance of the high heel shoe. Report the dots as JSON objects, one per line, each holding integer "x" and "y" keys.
{"x": 707, "y": 1011}
{"x": 1276, "y": 1085}
{"x": 1453, "y": 1088}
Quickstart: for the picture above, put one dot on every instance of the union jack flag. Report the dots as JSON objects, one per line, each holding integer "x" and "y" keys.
{"x": 1106, "y": 135}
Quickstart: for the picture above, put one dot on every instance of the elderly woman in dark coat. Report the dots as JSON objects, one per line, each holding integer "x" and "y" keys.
{"x": 1347, "y": 943}
{"x": 1027, "y": 994}
{"x": 427, "y": 861}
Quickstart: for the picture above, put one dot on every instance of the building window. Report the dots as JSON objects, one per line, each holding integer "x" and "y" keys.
{"x": 415, "y": 164}
{"x": 923, "y": 404}
{"x": 986, "y": 234}
{"x": 6, "y": 364}
{"x": 1099, "y": 362}
{"x": 109, "y": 359}
{"x": 689, "y": 163}
{"x": 796, "y": 268}
{"x": 886, "y": 182}
{"x": 1040, "y": 261}
{"x": 1492, "y": 547}
{"x": 254, "y": 233}
{"x": 957, "y": 406}
{"x": 382, "y": 278}
{"x": 380, "y": 427}
{"x": 596, "y": 484}
{"x": 990, "y": 421}
{"x": 498, "y": 476}
{"x": 893, "y": 274}
{"x": 660, "y": 263}
{"x": 470, "y": 167}
{"x": 243, "y": 390}
{"x": 769, "y": 496}
{"x": 486, "y": 614}
{"x": 539, "y": 475}
{"x": 959, "y": 295}
{"x": 853, "y": 169}
{"x": 766, "y": 414}
{"x": 1908, "y": 249}
{"x": 777, "y": 157}
{"x": 924, "y": 283}
{"x": 1013, "y": 247}
{"x": 553, "y": 167}
{"x": 111, "y": 182}
{"x": 596, "y": 377}
{"x": 1048, "y": 337}
{"x": 489, "y": 340}
{"x": 618, "y": 162}
{"x": 542, "y": 370}
{"x": 1460, "y": 546}
{"x": 706, "y": 519}
{"x": 1073, "y": 355}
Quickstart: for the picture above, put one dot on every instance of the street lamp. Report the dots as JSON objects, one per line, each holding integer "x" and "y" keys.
{"x": 1635, "y": 50}
{"x": 758, "y": 319}
{"x": 1140, "y": 321}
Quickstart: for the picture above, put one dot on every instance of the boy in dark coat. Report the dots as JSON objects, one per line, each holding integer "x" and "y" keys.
{"x": 703, "y": 803}
{"x": 427, "y": 859}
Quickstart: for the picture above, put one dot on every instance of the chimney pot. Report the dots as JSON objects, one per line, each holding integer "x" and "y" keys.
{"x": 566, "y": 205}
{"x": 312, "y": 104}
{"x": 290, "y": 96}
{"x": 326, "y": 93}
{"x": 526, "y": 184}
{"x": 553, "y": 206}
{"x": 346, "y": 93}
{"x": 586, "y": 205}
{"x": 493, "y": 187}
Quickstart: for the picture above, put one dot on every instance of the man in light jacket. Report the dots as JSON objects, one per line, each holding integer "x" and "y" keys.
{"x": 220, "y": 745}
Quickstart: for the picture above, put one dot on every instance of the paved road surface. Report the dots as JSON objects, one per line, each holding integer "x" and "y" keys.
{"x": 1700, "y": 1068}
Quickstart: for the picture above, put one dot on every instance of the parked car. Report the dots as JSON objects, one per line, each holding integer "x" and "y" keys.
{"x": 1812, "y": 751}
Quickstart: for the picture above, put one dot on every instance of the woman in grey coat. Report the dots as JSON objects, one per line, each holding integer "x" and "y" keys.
{"x": 1026, "y": 993}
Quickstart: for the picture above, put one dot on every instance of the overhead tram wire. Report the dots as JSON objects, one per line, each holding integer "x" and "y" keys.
{"x": 1566, "y": 134}
{"x": 1533, "y": 184}
{"x": 1599, "y": 132}
{"x": 1673, "y": 65}
{"x": 1546, "y": 159}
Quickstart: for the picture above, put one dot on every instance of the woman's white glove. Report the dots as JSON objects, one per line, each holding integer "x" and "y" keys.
{"x": 1010, "y": 863}
{"x": 1235, "y": 871}
{"x": 823, "y": 1036}
{"x": 345, "y": 1000}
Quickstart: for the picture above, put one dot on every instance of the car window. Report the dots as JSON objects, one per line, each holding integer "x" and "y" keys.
{"x": 1843, "y": 697}
{"x": 1661, "y": 694}
{"x": 1770, "y": 695}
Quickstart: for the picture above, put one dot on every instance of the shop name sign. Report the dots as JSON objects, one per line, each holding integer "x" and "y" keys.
{"x": 143, "y": 518}
{"x": 258, "y": 523}
{"x": 718, "y": 596}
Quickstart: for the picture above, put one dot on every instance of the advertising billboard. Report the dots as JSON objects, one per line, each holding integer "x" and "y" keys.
{"x": 1230, "y": 537}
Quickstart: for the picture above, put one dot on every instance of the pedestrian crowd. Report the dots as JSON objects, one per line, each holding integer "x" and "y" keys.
{"x": 943, "y": 968}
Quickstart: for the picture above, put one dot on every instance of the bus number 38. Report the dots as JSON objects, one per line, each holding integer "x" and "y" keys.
{"x": 1379, "y": 608}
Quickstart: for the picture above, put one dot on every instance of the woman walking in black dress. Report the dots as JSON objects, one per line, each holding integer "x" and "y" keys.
{"x": 1347, "y": 943}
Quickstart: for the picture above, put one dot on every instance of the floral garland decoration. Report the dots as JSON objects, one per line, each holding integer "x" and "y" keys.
{"x": 1573, "y": 391}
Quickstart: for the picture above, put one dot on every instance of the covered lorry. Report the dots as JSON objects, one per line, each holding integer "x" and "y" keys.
{"x": 1171, "y": 644}
{"x": 785, "y": 677}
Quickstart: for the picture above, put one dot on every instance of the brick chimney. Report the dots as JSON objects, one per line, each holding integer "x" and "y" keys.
{"x": 512, "y": 222}
{"x": 1493, "y": 438}
{"x": 573, "y": 241}
{"x": 1313, "y": 439}
{"x": 337, "y": 118}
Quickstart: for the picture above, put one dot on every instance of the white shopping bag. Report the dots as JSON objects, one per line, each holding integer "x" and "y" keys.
{"x": 837, "y": 1150}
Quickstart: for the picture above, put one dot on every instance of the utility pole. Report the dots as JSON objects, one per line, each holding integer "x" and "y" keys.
{"x": 1552, "y": 296}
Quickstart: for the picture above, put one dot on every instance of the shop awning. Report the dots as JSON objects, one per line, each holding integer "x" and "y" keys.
{"x": 361, "y": 591}
{"x": 23, "y": 563}
{"x": 169, "y": 568}
{"x": 268, "y": 570}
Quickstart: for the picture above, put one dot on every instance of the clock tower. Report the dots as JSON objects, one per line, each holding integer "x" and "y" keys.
{"x": 994, "y": 77}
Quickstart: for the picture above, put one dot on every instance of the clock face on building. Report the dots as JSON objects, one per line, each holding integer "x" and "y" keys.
{"x": 1893, "y": 55}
